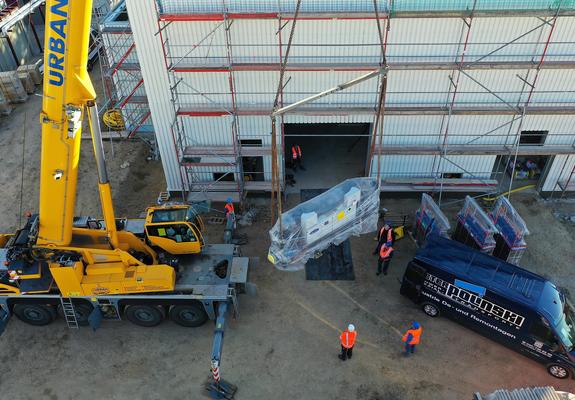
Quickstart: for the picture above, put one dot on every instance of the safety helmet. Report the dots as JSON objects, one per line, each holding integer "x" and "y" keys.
{"x": 351, "y": 328}
{"x": 416, "y": 325}
{"x": 229, "y": 200}
{"x": 388, "y": 223}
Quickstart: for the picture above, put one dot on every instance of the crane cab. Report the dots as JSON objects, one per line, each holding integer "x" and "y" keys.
{"x": 176, "y": 229}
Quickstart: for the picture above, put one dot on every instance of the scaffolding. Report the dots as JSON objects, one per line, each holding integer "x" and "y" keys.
{"x": 198, "y": 161}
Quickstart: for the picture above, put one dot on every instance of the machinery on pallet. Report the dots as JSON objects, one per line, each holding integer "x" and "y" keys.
{"x": 510, "y": 240}
{"x": 474, "y": 227}
{"x": 88, "y": 270}
{"x": 429, "y": 220}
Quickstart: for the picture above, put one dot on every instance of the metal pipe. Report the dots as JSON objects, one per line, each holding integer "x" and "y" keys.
{"x": 97, "y": 142}
{"x": 335, "y": 89}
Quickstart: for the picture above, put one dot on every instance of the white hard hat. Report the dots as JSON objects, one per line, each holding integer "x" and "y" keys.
{"x": 351, "y": 328}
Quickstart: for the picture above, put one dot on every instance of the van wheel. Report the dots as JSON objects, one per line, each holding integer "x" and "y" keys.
{"x": 35, "y": 314}
{"x": 430, "y": 309}
{"x": 558, "y": 371}
{"x": 144, "y": 315}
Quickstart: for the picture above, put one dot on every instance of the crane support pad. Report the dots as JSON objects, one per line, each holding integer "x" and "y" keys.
{"x": 335, "y": 263}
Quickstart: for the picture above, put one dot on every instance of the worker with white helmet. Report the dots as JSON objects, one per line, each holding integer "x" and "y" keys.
{"x": 347, "y": 339}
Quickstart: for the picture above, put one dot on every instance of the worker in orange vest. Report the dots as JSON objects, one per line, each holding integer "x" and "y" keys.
{"x": 296, "y": 157}
{"x": 411, "y": 338}
{"x": 385, "y": 235}
{"x": 347, "y": 339}
{"x": 229, "y": 207}
{"x": 385, "y": 255}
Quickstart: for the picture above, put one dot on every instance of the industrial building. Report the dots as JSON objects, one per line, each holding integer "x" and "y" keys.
{"x": 479, "y": 95}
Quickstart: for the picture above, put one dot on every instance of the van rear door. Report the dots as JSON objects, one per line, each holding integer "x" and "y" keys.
{"x": 413, "y": 281}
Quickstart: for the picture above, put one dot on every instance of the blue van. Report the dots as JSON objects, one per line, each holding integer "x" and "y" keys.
{"x": 502, "y": 301}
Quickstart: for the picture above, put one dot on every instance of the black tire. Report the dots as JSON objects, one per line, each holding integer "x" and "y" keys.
{"x": 430, "y": 309}
{"x": 558, "y": 371}
{"x": 189, "y": 315}
{"x": 35, "y": 314}
{"x": 144, "y": 315}
{"x": 83, "y": 311}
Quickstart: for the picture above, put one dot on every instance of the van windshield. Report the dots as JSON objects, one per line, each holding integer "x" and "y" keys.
{"x": 565, "y": 328}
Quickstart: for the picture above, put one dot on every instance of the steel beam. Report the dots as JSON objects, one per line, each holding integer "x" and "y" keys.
{"x": 401, "y": 66}
{"x": 201, "y": 110}
{"x": 367, "y": 15}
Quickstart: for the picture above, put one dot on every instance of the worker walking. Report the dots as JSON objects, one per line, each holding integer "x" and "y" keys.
{"x": 385, "y": 235}
{"x": 411, "y": 338}
{"x": 347, "y": 339}
{"x": 385, "y": 255}
{"x": 296, "y": 156}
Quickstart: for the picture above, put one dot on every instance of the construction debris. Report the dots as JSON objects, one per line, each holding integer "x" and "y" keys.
{"x": 33, "y": 70}
{"x": 27, "y": 82}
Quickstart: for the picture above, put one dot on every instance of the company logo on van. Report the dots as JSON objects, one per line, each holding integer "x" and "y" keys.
{"x": 472, "y": 300}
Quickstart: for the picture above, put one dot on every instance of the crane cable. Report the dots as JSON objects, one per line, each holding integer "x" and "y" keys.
{"x": 114, "y": 120}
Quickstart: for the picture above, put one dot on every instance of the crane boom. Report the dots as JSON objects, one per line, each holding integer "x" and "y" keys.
{"x": 67, "y": 89}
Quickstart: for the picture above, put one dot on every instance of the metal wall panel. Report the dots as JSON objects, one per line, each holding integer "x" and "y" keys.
{"x": 401, "y": 166}
{"x": 256, "y": 41}
{"x": 424, "y": 39}
{"x": 143, "y": 19}
{"x": 208, "y": 131}
{"x": 203, "y": 88}
{"x": 195, "y": 42}
{"x": 559, "y": 172}
{"x": 561, "y": 127}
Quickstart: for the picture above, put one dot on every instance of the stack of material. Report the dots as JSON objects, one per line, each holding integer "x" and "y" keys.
{"x": 27, "y": 81}
{"x": 510, "y": 241}
{"x": 429, "y": 219}
{"x": 535, "y": 393}
{"x": 12, "y": 88}
{"x": 5, "y": 107}
{"x": 475, "y": 228}
{"x": 33, "y": 70}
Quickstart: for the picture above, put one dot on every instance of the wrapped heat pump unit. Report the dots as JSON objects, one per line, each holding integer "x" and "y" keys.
{"x": 349, "y": 208}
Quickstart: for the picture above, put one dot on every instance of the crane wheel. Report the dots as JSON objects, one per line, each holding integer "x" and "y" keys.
{"x": 189, "y": 315}
{"x": 82, "y": 310}
{"x": 35, "y": 314}
{"x": 144, "y": 315}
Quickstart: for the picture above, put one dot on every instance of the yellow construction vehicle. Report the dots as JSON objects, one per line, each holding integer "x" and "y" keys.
{"x": 88, "y": 269}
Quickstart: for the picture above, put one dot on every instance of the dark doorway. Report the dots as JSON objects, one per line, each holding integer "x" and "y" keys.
{"x": 331, "y": 153}
{"x": 253, "y": 168}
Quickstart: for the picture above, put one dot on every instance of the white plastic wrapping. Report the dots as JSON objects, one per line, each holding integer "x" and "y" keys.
{"x": 349, "y": 208}
{"x": 429, "y": 219}
{"x": 509, "y": 223}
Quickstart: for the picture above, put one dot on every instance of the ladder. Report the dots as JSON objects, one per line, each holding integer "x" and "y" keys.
{"x": 69, "y": 312}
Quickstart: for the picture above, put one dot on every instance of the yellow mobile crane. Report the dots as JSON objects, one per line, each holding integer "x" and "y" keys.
{"x": 86, "y": 269}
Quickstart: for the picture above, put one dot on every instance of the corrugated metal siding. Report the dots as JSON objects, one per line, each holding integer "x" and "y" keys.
{"x": 397, "y": 166}
{"x": 197, "y": 42}
{"x": 143, "y": 19}
{"x": 425, "y": 39}
{"x": 559, "y": 172}
{"x": 561, "y": 127}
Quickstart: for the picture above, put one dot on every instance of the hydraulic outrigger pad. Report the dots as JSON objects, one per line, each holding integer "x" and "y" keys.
{"x": 221, "y": 389}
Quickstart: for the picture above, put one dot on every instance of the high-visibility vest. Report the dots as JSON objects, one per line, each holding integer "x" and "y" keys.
{"x": 229, "y": 208}
{"x": 415, "y": 333}
{"x": 385, "y": 252}
{"x": 389, "y": 234}
{"x": 347, "y": 339}
{"x": 295, "y": 152}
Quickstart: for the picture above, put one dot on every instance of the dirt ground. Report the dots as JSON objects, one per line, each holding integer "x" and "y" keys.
{"x": 285, "y": 343}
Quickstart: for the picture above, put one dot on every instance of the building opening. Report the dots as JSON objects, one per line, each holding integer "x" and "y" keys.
{"x": 331, "y": 153}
